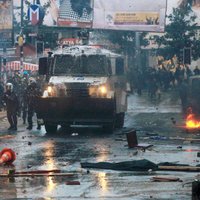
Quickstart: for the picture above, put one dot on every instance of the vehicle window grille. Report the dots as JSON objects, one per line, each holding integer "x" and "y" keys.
{"x": 77, "y": 90}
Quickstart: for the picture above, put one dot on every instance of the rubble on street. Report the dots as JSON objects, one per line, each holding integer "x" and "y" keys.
{"x": 58, "y": 164}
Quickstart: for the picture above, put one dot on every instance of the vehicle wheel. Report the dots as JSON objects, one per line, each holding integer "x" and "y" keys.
{"x": 50, "y": 128}
{"x": 66, "y": 128}
{"x": 119, "y": 122}
{"x": 109, "y": 128}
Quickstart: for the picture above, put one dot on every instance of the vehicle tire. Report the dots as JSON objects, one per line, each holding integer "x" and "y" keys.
{"x": 50, "y": 128}
{"x": 66, "y": 128}
{"x": 109, "y": 128}
{"x": 119, "y": 121}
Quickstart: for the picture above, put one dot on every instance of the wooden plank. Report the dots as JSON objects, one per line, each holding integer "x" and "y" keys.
{"x": 180, "y": 168}
{"x": 165, "y": 179}
{"x": 38, "y": 175}
{"x": 38, "y": 171}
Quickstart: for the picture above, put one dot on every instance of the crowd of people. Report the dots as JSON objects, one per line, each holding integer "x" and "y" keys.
{"x": 17, "y": 97}
{"x": 18, "y": 94}
{"x": 157, "y": 79}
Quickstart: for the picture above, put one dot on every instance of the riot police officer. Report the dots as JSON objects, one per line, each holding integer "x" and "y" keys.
{"x": 12, "y": 104}
{"x": 31, "y": 93}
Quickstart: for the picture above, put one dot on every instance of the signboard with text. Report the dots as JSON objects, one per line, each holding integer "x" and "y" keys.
{"x": 6, "y": 23}
{"x": 135, "y": 15}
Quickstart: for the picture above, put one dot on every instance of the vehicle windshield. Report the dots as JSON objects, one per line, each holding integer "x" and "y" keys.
{"x": 86, "y": 65}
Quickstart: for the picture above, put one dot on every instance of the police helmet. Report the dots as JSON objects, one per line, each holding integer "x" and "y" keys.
{"x": 31, "y": 80}
{"x": 9, "y": 87}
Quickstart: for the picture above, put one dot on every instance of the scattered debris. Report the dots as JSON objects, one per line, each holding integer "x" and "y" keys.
{"x": 180, "y": 168}
{"x": 151, "y": 134}
{"x": 173, "y": 120}
{"x": 120, "y": 139}
{"x": 7, "y": 156}
{"x": 158, "y": 137}
{"x": 39, "y": 171}
{"x": 144, "y": 147}
{"x": 37, "y": 174}
{"x": 142, "y": 165}
{"x": 185, "y": 139}
{"x": 7, "y": 136}
{"x": 132, "y": 138}
{"x": 72, "y": 183}
{"x": 165, "y": 179}
{"x": 135, "y": 165}
{"x": 133, "y": 142}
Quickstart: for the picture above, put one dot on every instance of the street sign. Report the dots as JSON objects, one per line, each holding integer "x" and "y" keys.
{"x": 9, "y": 51}
{"x": 35, "y": 14}
{"x": 32, "y": 34}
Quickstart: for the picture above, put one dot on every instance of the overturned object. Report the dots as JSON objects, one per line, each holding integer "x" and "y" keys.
{"x": 165, "y": 179}
{"x": 7, "y": 156}
{"x": 135, "y": 165}
{"x": 141, "y": 165}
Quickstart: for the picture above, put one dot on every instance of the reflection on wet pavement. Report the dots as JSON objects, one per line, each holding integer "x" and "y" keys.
{"x": 65, "y": 151}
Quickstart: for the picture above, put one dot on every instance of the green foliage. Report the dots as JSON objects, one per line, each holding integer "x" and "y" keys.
{"x": 180, "y": 33}
{"x": 126, "y": 40}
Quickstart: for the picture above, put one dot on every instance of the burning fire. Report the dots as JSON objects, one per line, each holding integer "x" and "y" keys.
{"x": 191, "y": 122}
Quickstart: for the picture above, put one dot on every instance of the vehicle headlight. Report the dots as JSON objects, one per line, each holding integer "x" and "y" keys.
{"x": 101, "y": 91}
{"x": 49, "y": 92}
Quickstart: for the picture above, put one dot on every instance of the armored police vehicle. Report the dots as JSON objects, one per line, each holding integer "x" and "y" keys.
{"x": 86, "y": 85}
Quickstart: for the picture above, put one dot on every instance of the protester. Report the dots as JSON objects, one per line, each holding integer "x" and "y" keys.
{"x": 1, "y": 95}
{"x": 196, "y": 71}
{"x": 183, "y": 93}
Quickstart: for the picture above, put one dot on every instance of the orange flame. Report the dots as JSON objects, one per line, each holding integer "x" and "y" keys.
{"x": 191, "y": 122}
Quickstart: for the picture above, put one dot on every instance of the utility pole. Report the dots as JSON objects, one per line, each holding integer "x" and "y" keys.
{"x": 138, "y": 50}
{"x": 4, "y": 65}
{"x": 21, "y": 38}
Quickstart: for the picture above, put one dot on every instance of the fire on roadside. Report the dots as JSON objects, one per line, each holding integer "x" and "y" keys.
{"x": 192, "y": 122}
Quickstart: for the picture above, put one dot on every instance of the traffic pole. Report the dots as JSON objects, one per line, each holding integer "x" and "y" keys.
{"x": 21, "y": 39}
{"x": 21, "y": 43}
{"x": 4, "y": 66}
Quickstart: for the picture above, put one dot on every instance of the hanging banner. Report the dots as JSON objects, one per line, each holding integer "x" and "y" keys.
{"x": 6, "y": 23}
{"x": 68, "y": 13}
{"x": 135, "y": 15}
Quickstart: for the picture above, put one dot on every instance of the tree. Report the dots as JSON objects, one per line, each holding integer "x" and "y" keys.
{"x": 180, "y": 33}
{"x": 126, "y": 40}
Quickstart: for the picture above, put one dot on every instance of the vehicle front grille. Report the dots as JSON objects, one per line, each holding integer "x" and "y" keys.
{"x": 77, "y": 89}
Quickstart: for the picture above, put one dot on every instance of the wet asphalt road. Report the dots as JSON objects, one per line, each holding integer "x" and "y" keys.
{"x": 65, "y": 151}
